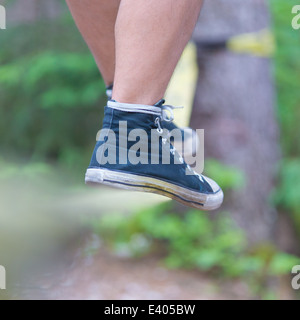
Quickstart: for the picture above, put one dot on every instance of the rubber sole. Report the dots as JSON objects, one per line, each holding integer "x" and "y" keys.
{"x": 134, "y": 182}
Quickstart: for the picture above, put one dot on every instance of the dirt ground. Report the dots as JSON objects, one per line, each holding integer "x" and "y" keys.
{"x": 103, "y": 276}
{"x": 82, "y": 268}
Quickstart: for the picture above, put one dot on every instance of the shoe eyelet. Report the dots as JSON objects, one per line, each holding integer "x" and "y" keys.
{"x": 159, "y": 128}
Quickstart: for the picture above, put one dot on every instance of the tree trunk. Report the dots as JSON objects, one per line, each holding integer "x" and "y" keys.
{"x": 235, "y": 105}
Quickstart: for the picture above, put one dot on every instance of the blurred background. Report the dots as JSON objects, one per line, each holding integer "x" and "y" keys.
{"x": 61, "y": 240}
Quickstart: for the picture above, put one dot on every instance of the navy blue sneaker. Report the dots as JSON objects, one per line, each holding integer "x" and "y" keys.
{"x": 188, "y": 146}
{"x": 133, "y": 152}
{"x": 109, "y": 90}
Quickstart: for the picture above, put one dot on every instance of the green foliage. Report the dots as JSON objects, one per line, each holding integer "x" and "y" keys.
{"x": 51, "y": 95}
{"x": 287, "y": 70}
{"x": 192, "y": 240}
{"x": 227, "y": 177}
{"x": 9, "y": 171}
{"x": 287, "y": 195}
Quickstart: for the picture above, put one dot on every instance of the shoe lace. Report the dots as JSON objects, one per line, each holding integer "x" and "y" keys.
{"x": 168, "y": 112}
{"x": 174, "y": 152}
{"x": 168, "y": 116}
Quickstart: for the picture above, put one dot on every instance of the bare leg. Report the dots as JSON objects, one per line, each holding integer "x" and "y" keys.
{"x": 150, "y": 38}
{"x": 96, "y": 22}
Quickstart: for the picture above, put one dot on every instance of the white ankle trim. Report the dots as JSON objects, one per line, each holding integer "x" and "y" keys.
{"x": 135, "y": 108}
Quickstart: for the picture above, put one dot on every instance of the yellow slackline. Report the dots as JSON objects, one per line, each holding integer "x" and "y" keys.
{"x": 181, "y": 90}
{"x": 260, "y": 43}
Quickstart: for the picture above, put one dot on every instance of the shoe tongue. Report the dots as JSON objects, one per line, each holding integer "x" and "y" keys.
{"x": 159, "y": 103}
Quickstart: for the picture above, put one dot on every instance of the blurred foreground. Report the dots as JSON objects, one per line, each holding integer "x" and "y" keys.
{"x": 64, "y": 242}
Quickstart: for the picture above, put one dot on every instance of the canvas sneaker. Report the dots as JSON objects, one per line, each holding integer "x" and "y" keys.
{"x": 134, "y": 152}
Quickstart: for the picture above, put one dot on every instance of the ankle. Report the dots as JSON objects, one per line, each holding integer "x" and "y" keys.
{"x": 144, "y": 98}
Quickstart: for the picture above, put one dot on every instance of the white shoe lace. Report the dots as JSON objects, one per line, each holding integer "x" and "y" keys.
{"x": 180, "y": 158}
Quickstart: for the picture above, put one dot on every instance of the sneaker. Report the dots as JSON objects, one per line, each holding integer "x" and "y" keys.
{"x": 117, "y": 162}
{"x": 109, "y": 90}
{"x": 187, "y": 146}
